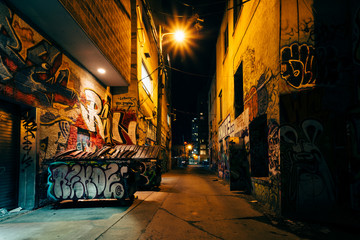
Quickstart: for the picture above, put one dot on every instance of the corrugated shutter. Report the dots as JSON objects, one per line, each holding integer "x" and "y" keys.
{"x": 9, "y": 155}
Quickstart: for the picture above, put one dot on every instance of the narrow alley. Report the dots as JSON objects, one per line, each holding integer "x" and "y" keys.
{"x": 191, "y": 203}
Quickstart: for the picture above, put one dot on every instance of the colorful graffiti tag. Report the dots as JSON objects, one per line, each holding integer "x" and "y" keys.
{"x": 124, "y": 127}
{"x": 28, "y": 134}
{"x": 82, "y": 181}
{"x": 36, "y": 78}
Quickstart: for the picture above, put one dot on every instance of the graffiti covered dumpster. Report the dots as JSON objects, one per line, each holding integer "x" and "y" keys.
{"x": 109, "y": 173}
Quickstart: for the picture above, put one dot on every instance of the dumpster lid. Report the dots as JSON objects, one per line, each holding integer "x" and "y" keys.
{"x": 119, "y": 152}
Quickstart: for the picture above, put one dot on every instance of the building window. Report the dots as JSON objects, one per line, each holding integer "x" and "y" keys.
{"x": 146, "y": 80}
{"x": 226, "y": 39}
{"x": 220, "y": 106}
{"x": 237, "y": 9}
{"x": 238, "y": 91}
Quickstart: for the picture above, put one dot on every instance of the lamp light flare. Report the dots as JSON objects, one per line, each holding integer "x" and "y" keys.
{"x": 101, "y": 70}
{"x": 179, "y": 36}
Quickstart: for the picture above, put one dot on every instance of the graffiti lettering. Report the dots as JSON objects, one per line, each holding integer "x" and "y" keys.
{"x": 298, "y": 65}
{"x": 126, "y": 102}
{"x": 37, "y": 77}
{"x": 91, "y": 111}
{"x": 67, "y": 181}
{"x": 226, "y": 128}
{"x": 29, "y": 128}
{"x": 124, "y": 127}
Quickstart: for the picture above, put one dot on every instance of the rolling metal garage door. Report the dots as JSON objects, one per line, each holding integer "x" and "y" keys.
{"x": 9, "y": 155}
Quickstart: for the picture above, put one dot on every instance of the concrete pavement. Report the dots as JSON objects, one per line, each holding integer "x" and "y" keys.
{"x": 190, "y": 204}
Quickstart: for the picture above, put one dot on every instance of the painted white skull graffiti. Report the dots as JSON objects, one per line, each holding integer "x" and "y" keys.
{"x": 311, "y": 184}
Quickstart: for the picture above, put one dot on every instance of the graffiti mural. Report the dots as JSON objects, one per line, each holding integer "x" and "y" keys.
{"x": 298, "y": 65}
{"x": 257, "y": 99}
{"x": 36, "y": 78}
{"x": 34, "y": 71}
{"x": 124, "y": 127}
{"x": 82, "y": 181}
{"x": 306, "y": 176}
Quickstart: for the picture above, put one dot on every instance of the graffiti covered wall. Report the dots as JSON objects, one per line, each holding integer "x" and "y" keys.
{"x": 317, "y": 88}
{"x": 74, "y": 107}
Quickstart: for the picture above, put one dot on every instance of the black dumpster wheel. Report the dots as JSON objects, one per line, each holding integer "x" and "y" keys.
{"x": 132, "y": 198}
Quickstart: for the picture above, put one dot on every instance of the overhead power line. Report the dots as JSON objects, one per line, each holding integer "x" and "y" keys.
{"x": 189, "y": 73}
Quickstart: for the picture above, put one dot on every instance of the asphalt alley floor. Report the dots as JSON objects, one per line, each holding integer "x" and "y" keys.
{"x": 191, "y": 203}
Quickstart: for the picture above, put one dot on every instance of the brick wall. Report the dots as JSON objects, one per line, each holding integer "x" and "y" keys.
{"x": 108, "y": 24}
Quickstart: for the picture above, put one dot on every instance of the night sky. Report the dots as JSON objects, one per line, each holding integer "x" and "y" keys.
{"x": 195, "y": 67}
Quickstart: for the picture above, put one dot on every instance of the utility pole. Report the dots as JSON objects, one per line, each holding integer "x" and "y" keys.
{"x": 160, "y": 91}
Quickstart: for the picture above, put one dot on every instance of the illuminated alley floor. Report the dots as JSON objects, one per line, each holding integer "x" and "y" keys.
{"x": 190, "y": 204}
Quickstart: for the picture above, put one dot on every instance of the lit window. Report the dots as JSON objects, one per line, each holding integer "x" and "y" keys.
{"x": 146, "y": 80}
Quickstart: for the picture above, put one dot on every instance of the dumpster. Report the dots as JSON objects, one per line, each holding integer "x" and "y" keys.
{"x": 109, "y": 173}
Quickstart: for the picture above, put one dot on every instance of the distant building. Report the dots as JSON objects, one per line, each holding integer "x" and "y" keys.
{"x": 195, "y": 136}
{"x": 203, "y": 127}
{"x": 284, "y": 104}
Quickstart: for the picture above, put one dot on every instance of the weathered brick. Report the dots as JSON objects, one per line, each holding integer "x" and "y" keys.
{"x": 108, "y": 25}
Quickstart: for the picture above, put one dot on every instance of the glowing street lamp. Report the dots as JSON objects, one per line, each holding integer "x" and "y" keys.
{"x": 179, "y": 36}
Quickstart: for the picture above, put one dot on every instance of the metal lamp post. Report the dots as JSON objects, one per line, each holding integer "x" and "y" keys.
{"x": 179, "y": 37}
